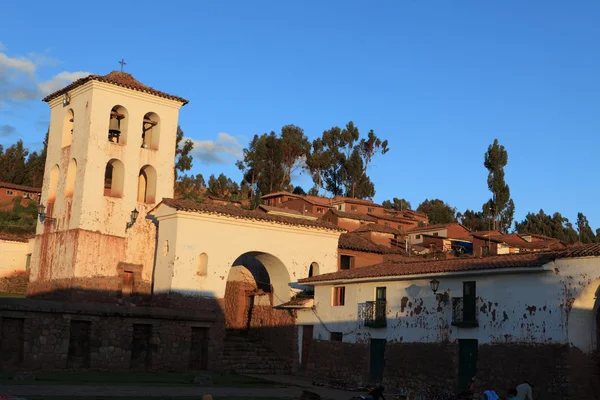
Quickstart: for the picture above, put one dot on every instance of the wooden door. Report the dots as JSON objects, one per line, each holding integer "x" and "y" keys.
{"x": 377, "y": 360}
{"x": 127, "y": 289}
{"x": 307, "y": 335}
{"x": 467, "y": 362}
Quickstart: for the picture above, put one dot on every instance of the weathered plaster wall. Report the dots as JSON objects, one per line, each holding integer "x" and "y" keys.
{"x": 554, "y": 306}
{"x": 89, "y": 237}
{"x": 14, "y": 257}
{"x": 286, "y": 251}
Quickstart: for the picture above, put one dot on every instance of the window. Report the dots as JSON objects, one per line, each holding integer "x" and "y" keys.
{"x": 418, "y": 236}
{"x": 53, "y": 184}
{"x": 370, "y": 209}
{"x": 202, "y": 265}
{"x": 117, "y": 127}
{"x": 336, "y": 336}
{"x": 435, "y": 234}
{"x": 469, "y": 301}
{"x": 380, "y": 294}
{"x": 485, "y": 251}
{"x": 114, "y": 178}
{"x": 71, "y": 175}
{"x": 27, "y": 195}
{"x": 150, "y": 131}
{"x": 339, "y": 207}
{"x": 386, "y": 224}
{"x": 346, "y": 262}
{"x": 147, "y": 185}
{"x": 10, "y": 193}
{"x": 313, "y": 270}
{"x": 339, "y": 296}
{"x": 319, "y": 210}
{"x": 67, "y": 133}
{"x": 353, "y": 208}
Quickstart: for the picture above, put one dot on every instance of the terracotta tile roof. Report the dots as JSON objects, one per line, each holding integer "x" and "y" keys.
{"x": 236, "y": 212}
{"x": 485, "y": 233}
{"x": 299, "y": 302}
{"x": 342, "y": 199}
{"x": 419, "y": 213}
{"x": 522, "y": 260}
{"x": 393, "y": 219}
{"x": 13, "y": 237}
{"x": 215, "y": 198}
{"x": 293, "y": 213}
{"x": 357, "y": 242}
{"x": 378, "y": 228}
{"x": 434, "y": 227}
{"x": 117, "y": 78}
{"x": 276, "y": 194}
{"x": 343, "y": 214}
{"x": 510, "y": 241}
{"x": 22, "y": 188}
{"x": 318, "y": 200}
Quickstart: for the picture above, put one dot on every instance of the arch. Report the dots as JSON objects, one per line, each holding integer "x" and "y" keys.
{"x": 67, "y": 132}
{"x": 202, "y": 268}
{"x": 117, "y": 125}
{"x": 150, "y": 131}
{"x": 582, "y": 328}
{"x": 147, "y": 185}
{"x": 114, "y": 178}
{"x": 71, "y": 176}
{"x": 53, "y": 184}
{"x": 313, "y": 270}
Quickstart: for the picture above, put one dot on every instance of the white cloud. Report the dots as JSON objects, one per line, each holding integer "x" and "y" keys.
{"x": 219, "y": 151}
{"x": 19, "y": 81}
{"x": 59, "y": 81}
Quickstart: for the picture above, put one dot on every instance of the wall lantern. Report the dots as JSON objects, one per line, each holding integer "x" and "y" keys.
{"x": 435, "y": 285}
{"x": 133, "y": 218}
{"x": 42, "y": 215}
{"x": 66, "y": 100}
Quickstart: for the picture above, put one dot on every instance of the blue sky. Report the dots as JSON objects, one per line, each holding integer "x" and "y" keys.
{"x": 439, "y": 79}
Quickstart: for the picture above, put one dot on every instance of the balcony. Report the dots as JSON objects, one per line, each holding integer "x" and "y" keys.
{"x": 373, "y": 314}
{"x": 464, "y": 312}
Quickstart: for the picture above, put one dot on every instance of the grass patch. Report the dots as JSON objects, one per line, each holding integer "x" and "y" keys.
{"x": 12, "y": 295}
{"x": 138, "y": 398}
{"x": 137, "y": 379}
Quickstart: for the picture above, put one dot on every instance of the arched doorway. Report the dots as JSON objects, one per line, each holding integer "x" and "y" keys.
{"x": 256, "y": 280}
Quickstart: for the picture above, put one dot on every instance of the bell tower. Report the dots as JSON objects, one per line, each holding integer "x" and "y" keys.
{"x": 111, "y": 150}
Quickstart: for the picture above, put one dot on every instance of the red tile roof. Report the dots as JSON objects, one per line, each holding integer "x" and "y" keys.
{"x": 277, "y": 194}
{"x": 22, "y": 188}
{"x": 522, "y": 260}
{"x": 293, "y": 213}
{"x": 342, "y": 199}
{"x": 435, "y": 227}
{"x": 393, "y": 219}
{"x": 116, "y": 78}
{"x": 236, "y": 212}
{"x": 378, "y": 228}
{"x": 343, "y": 214}
{"x": 512, "y": 242}
{"x": 357, "y": 242}
{"x": 13, "y": 237}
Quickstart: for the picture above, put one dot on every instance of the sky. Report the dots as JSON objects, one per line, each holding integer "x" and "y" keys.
{"x": 439, "y": 79}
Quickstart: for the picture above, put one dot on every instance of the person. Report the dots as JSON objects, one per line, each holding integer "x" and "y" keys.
{"x": 377, "y": 393}
{"x": 512, "y": 394}
{"x": 470, "y": 392}
{"x": 524, "y": 391}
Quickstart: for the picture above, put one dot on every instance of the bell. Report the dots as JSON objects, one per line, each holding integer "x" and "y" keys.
{"x": 114, "y": 129}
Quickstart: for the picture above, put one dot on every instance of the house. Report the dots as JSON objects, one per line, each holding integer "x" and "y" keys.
{"x": 441, "y": 244}
{"x": 357, "y": 206}
{"x": 286, "y": 212}
{"x": 9, "y": 191}
{"x": 312, "y": 205}
{"x": 403, "y": 224}
{"x": 275, "y": 199}
{"x": 401, "y": 323}
{"x": 452, "y": 230}
{"x": 356, "y": 250}
{"x": 346, "y": 220}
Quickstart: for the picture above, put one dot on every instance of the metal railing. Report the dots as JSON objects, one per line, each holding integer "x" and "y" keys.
{"x": 373, "y": 314}
{"x": 464, "y": 313}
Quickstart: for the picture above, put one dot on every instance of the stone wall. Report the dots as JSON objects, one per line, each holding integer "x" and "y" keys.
{"x": 15, "y": 283}
{"x": 331, "y": 360}
{"x": 43, "y": 335}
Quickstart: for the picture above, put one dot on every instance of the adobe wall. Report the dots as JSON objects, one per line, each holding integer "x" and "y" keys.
{"x": 558, "y": 372}
{"x": 40, "y": 335}
{"x": 348, "y": 224}
{"x": 14, "y": 257}
{"x": 361, "y": 258}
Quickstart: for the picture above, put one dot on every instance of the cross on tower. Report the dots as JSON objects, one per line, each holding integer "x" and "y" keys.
{"x": 123, "y": 63}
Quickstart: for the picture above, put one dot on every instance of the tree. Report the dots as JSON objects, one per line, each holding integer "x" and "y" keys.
{"x": 396, "y": 204}
{"x": 474, "y": 220}
{"x": 13, "y": 164}
{"x": 36, "y": 164}
{"x": 223, "y": 187}
{"x": 299, "y": 191}
{"x": 501, "y": 205}
{"x": 190, "y": 187}
{"x": 183, "y": 157}
{"x": 586, "y": 235}
{"x": 554, "y": 226}
{"x": 295, "y": 148}
{"x": 437, "y": 211}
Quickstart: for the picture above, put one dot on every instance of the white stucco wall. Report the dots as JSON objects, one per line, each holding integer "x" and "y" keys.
{"x": 286, "y": 251}
{"x": 557, "y": 304}
{"x": 413, "y": 239}
{"x": 13, "y": 257}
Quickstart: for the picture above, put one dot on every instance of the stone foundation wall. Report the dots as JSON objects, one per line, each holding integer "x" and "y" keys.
{"x": 15, "y": 283}
{"x": 277, "y": 330}
{"x": 348, "y": 362}
{"x": 43, "y": 335}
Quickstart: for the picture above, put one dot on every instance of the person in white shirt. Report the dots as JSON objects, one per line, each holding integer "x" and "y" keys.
{"x": 524, "y": 391}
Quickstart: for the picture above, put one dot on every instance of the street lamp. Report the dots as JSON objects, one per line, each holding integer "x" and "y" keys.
{"x": 435, "y": 285}
{"x": 42, "y": 215}
{"x": 133, "y": 218}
